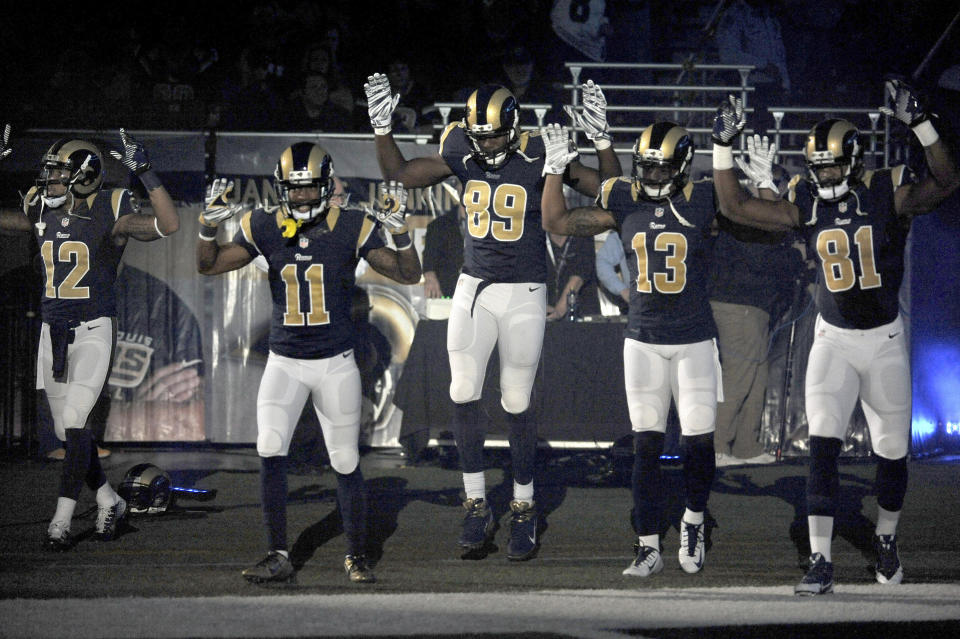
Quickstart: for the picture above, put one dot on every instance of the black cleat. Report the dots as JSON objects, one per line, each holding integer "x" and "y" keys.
{"x": 358, "y": 570}
{"x": 477, "y": 525}
{"x": 819, "y": 577}
{"x": 523, "y": 532}
{"x": 109, "y": 519}
{"x": 274, "y": 568}
{"x": 58, "y": 537}
{"x": 889, "y": 570}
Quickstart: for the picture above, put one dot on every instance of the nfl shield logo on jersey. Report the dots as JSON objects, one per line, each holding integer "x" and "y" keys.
{"x": 65, "y": 221}
{"x": 658, "y": 211}
{"x": 304, "y": 242}
{"x": 842, "y": 207}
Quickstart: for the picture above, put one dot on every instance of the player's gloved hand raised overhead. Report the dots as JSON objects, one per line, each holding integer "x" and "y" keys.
{"x": 380, "y": 103}
{"x": 906, "y": 104}
{"x": 217, "y": 207}
{"x": 593, "y": 119}
{"x": 759, "y": 169}
{"x": 5, "y": 149}
{"x": 556, "y": 141}
{"x": 134, "y": 155}
{"x": 391, "y": 206}
{"x": 728, "y": 121}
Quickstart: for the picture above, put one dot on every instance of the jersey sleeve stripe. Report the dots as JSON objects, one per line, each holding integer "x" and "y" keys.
{"x": 246, "y": 228}
{"x": 446, "y": 132}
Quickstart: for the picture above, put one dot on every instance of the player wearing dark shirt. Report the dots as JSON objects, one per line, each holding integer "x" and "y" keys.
{"x": 312, "y": 248}
{"x": 82, "y": 231}
{"x": 500, "y": 298}
{"x": 855, "y": 223}
{"x": 670, "y": 348}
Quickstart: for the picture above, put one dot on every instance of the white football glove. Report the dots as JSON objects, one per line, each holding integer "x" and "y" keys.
{"x": 134, "y": 155}
{"x": 380, "y": 104}
{"x": 5, "y": 150}
{"x": 218, "y": 209}
{"x": 729, "y": 121}
{"x": 556, "y": 141}
{"x": 763, "y": 155}
{"x": 593, "y": 119}
{"x": 907, "y": 106}
{"x": 391, "y": 206}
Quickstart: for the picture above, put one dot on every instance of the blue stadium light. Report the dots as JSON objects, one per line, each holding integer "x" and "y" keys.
{"x": 936, "y": 396}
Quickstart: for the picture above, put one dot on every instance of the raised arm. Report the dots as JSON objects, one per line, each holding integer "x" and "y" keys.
{"x": 214, "y": 258}
{"x": 417, "y": 172}
{"x": 942, "y": 177}
{"x": 11, "y": 221}
{"x": 735, "y": 202}
{"x": 593, "y": 121}
{"x": 557, "y": 218}
{"x": 165, "y": 220}
{"x": 402, "y": 264}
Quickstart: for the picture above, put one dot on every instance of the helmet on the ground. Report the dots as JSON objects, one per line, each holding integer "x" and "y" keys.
{"x": 146, "y": 489}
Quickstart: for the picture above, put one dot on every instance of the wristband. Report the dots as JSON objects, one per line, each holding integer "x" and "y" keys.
{"x": 722, "y": 157}
{"x": 150, "y": 180}
{"x": 156, "y": 225}
{"x": 402, "y": 241}
{"x": 382, "y": 130}
{"x": 601, "y": 143}
{"x": 208, "y": 233}
{"x": 925, "y": 132}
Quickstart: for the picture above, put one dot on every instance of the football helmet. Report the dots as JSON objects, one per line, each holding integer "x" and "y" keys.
{"x": 662, "y": 157}
{"x": 80, "y": 167}
{"x": 833, "y": 143}
{"x": 304, "y": 164}
{"x": 146, "y": 489}
{"x": 492, "y": 112}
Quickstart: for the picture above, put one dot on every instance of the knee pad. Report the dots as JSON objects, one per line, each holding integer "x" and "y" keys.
{"x": 699, "y": 419}
{"x": 890, "y": 447}
{"x": 271, "y": 441}
{"x": 646, "y": 414}
{"x": 345, "y": 460}
{"x": 464, "y": 390}
{"x": 515, "y": 402}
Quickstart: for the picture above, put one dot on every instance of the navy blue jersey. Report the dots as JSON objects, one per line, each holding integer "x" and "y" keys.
{"x": 80, "y": 257}
{"x": 504, "y": 241}
{"x": 668, "y": 252}
{"x": 858, "y": 242}
{"x": 311, "y": 277}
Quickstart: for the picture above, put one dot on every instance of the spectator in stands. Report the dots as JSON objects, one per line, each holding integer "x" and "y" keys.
{"x": 571, "y": 270}
{"x": 443, "y": 254}
{"x": 249, "y": 100}
{"x": 614, "y": 272}
{"x": 414, "y": 112}
{"x": 312, "y": 110}
{"x": 521, "y": 76}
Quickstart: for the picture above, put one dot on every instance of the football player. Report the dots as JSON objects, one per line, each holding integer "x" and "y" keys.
{"x": 500, "y": 298}
{"x": 82, "y": 231}
{"x": 312, "y": 247}
{"x": 855, "y": 224}
{"x": 670, "y": 347}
